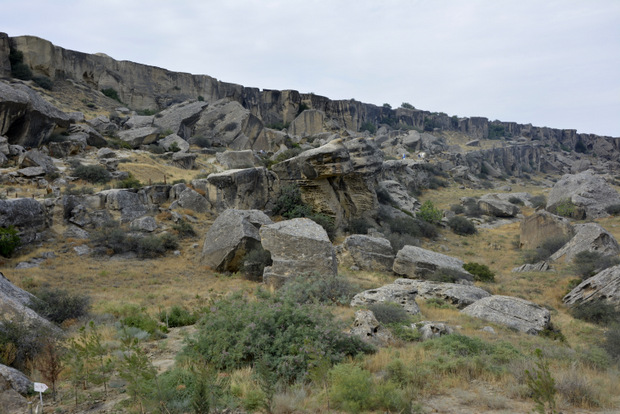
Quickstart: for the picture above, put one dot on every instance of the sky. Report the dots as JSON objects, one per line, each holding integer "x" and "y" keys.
{"x": 553, "y": 63}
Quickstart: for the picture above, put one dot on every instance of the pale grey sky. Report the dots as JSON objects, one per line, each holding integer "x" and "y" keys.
{"x": 552, "y": 63}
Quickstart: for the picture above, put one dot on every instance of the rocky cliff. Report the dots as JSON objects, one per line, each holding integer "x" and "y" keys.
{"x": 149, "y": 87}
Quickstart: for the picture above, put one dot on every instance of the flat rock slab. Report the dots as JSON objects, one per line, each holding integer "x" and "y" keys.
{"x": 453, "y": 293}
{"x": 393, "y": 293}
{"x": 415, "y": 262}
{"x": 368, "y": 253}
{"x": 602, "y": 287}
{"x": 515, "y": 313}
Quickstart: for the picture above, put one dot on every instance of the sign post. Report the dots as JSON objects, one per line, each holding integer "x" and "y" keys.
{"x": 40, "y": 388}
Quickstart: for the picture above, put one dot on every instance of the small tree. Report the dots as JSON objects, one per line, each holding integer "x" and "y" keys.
{"x": 135, "y": 368}
{"x": 429, "y": 213}
{"x": 541, "y": 385}
{"x": 50, "y": 362}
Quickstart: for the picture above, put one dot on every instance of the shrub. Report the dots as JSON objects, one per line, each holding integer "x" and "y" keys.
{"x": 92, "y": 173}
{"x": 111, "y": 93}
{"x": 44, "y": 82}
{"x": 600, "y": 313}
{"x": 472, "y": 209}
{"x": 565, "y": 208}
{"x": 460, "y": 225}
{"x": 9, "y": 241}
{"x": 20, "y": 341}
{"x": 587, "y": 263}
{"x": 177, "y": 316}
{"x": 429, "y": 213}
{"x": 255, "y": 261}
{"x": 316, "y": 288}
{"x": 202, "y": 142}
{"x": 184, "y": 229}
{"x": 546, "y": 249}
{"x": 136, "y": 317}
{"x": 129, "y": 182}
{"x": 515, "y": 200}
{"x": 612, "y": 341}
{"x": 383, "y": 195}
{"x": 359, "y": 226}
{"x": 368, "y": 126}
{"x": 398, "y": 241}
{"x": 59, "y": 305}
{"x": 407, "y": 105}
{"x": 481, "y": 272}
{"x": 447, "y": 275}
{"x": 541, "y": 385}
{"x": 457, "y": 209}
{"x": 230, "y": 127}
{"x": 613, "y": 209}
{"x": 236, "y": 332}
{"x": 19, "y": 69}
{"x": 288, "y": 200}
{"x": 389, "y": 312}
{"x": 351, "y": 388}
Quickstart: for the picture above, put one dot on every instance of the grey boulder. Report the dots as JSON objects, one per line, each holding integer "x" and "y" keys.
{"x": 415, "y": 262}
{"x": 369, "y": 330}
{"x": 516, "y": 313}
{"x": 585, "y": 190}
{"x": 367, "y": 253}
{"x": 393, "y": 293}
{"x": 453, "y": 293}
{"x": 588, "y": 237}
{"x": 603, "y": 287}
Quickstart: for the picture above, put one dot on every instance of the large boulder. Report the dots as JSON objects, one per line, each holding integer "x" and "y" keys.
{"x": 393, "y": 293}
{"x": 399, "y": 195}
{"x": 192, "y": 200}
{"x": 585, "y": 190}
{"x": 588, "y": 237}
{"x": 309, "y": 122}
{"x": 16, "y": 380}
{"x": 35, "y": 158}
{"x": 173, "y": 140}
{"x": 13, "y": 386}
{"x": 367, "y": 253}
{"x": 604, "y": 287}
{"x": 14, "y": 306}
{"x": 184, "y": 160}
{"x": 515, "y": 313}
{"x": 139, "y": 136}
{"x": 417, "y": 263}
{"x": 297, "y": 246}
{"x": 230, "y": 237}
{"x": 246, "y": 189}
{"x": 236, "y": 159}
{"x": 493, "y": 206}
{"x": 129, "y": 203}
{"x": 180, "y": 118}
{"x": 369, "y": 330}
{"x": 541, "y": 226}
{"x": 228, "y": 124}
{"x": 329, "y": 160}
{"x": 453, "y": 293}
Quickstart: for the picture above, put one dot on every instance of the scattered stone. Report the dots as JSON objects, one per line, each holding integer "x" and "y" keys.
{"x": 515, "y": 313}
{"x": 488, "y": 329}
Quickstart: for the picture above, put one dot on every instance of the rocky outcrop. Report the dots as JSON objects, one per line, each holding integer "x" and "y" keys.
{"x": 415, "y": 262}
{"x": 14, "y": 306}
{"x": 393, "y": 293}
{"x": 230, "y": 237}
{"x": 309, "y": 122}
{"x": 367, "y": 253}
{"x": 5, "y": 50}
{"x": 173, "y": 140}
{"x": 298, "y": 246}
{"x": 192, "y": 200}
{"x": 180, "y": 118}
{"x": 515, "y": 313}
{"x": 184, "y": 160}
{"x": 399, "y": 196}
{"x": 452, "y": 293}
{"x": 139, "y": 136}
{"x": 26, "y": 119}
{"x": 604, "y": 287}
{"x": 588, "y": 237}
{"x": 541, "y": 226}
{"x": 369, "y": 330}
{"x": 586, "y": 190}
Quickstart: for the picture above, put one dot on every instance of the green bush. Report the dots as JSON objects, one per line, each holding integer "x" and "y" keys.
{"x": 429, "y": 213}
{"x": 612, "y": 341}
{"x": 201, "y": 141}
{"x": 20, "y": 342}
{"x": 613, "y": 209}
{"x": 111, "y": 93}
{"x": 457, "y": 209}
{"x": 136, "y": 317}
{"x": 351, "y": 388}
{"x": 368, "y": 126}
{"x": 389, "y": 313}
{"x": 44, "y": 82}
{"x": 290, "y": 205}
{"x": 398, "y": 241}
{"x": 358, "y": 226}
{"x": 316, "y": 288}
{"x": 9, "y": 241}
{"x": 600, "y": 313}
{"x": 255, "y": 261}
{"x": 565, "y": 208}
{"x": 129, "y": 182}
{"x": 58, "y": 305}
{"x": 177, "y": 316}
{"x": 92, "y": 173}
{"x": 481, "y": 272}
{"x": 19, "y": 69}
{"x": 237, "y": 332}
{"x": 462, "y": 226}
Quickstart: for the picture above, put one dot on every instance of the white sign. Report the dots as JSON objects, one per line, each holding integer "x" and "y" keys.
{"x": 40, "y": 387}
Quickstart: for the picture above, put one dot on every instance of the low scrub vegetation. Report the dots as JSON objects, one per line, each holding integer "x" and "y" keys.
{"x": 545, "y": 250}
{"x": 460, "y": 225}
{"x": 481, "y": 272}
{"x": 586, "y": 263}
{"x": 290, "y": 205}
{"x": 9, "y": 241}
{"x": 58, "y": 305}
{"x": 95, "y": 174}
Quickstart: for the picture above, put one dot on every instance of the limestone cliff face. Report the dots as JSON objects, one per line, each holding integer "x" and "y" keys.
{"x": 149, "y": 87}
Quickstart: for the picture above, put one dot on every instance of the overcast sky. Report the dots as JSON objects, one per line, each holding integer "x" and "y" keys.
{"x": 552, "y": 63}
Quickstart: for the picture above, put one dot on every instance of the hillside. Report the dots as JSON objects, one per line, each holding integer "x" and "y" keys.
{"x": 246, "y": 250}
